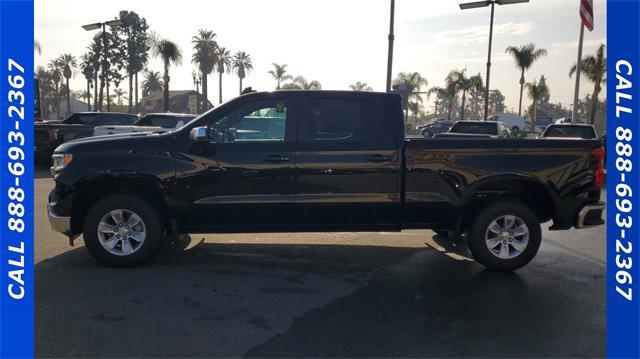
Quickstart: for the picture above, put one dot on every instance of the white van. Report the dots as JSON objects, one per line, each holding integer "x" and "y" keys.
{"x": 515, "y": 123}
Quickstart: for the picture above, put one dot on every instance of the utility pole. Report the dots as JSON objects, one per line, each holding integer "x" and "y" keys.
{"x": 391, "y": 38}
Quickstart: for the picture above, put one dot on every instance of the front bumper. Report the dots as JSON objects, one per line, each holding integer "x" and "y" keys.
{"x": 590, "y": 216}
{"x": 59, "y": 224}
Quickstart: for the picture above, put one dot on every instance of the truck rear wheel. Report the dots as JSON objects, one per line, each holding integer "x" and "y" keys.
{"x": 122, "y": 231}
{"x": 505, "y": 236}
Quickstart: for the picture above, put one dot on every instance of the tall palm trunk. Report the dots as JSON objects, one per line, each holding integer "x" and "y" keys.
{"x": 521, "y": 91}
{"x": 166, "y": 87}
{"x": 57, "y": 102}
{"x": 220, "y": 87}
{"x": 240, "y": 92}
{"x": 594, "y": 104}
{"x": 95, "y": 91}
{"x": 449, "y": 110}
{"x": 130, "y": 109}
{"x": 136, "y": 91}
{"x": 535, "y": 110}
{"x": 464, "y": 99}
{"x": 68, "y": 96}
{"x": 88, "y": 95}
{"x": 101, "y": 95}
{"x": 205, "y": 91}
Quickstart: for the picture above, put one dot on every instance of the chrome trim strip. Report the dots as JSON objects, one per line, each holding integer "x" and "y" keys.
{"x": 303, "y": 198}
{"x": 585, "y": 211}
{"x": 58, "y": 223}
{"x": 253, "y": 198}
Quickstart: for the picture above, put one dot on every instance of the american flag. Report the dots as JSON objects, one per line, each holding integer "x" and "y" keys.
{"x": 586, "y": 13}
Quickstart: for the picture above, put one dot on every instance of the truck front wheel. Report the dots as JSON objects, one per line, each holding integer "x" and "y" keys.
{"x": 505, "y": 236}
{"x": 122, "y": 231}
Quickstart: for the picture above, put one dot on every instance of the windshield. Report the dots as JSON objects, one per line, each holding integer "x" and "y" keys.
{"x": 482, "y": 128}
{"x": 585, "y": 132}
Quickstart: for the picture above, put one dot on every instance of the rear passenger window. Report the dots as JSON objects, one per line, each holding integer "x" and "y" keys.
{"x": 341, "y": 121}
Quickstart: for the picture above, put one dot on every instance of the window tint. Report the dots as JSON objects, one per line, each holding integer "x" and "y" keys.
{"x": 117, "y": 120}
{"x": 482, "y": 128}
{"x": 584, "y": 132}
{"x": 162, "y": 121}
{"x": 341, "y": 120}
{"x": 261, "y": 121}
{"x": 86, "y": 119}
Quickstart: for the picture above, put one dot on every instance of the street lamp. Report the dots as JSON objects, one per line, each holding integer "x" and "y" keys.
{"x": 492, "y": 3}
{"x": 391, "y": 38}
{"x": 105, "y": 74}
{"x": 197, "y": 80}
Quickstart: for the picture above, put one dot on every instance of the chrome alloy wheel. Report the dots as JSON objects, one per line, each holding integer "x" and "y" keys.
{"x": 507, "y": 237}
{"x": 121, "y": 232}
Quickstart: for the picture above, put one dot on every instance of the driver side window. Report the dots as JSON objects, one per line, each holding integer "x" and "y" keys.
{"x": 263, "y": 121}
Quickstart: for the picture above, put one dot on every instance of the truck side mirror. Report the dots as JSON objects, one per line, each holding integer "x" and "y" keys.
{"x": 199, "y": 134}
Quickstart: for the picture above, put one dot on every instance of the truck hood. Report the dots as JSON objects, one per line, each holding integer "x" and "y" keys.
{"x": 108, "y": 140}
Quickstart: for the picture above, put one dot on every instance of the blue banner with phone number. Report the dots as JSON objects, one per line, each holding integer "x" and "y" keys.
{"x": 16, "y": 181}
{"x": 623, "y": 168}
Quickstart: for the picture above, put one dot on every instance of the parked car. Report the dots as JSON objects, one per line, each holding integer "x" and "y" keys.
{"x": 587, "y": 132}
{"x": 154, "y": 122}
{"x": 541, "y": 123}
{"x": 435, "y": 128}
{"x": 492, "y": 129}
{"x": 515, "y": 123}
{"x": 341, "y": 162}
{"x": 49, "y": 134}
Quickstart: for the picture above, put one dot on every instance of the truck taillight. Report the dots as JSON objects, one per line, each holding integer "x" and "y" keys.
{"x": 598, "y": 175}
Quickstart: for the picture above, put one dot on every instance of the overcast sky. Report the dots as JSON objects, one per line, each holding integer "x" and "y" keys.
{"x": 339, "y": 42}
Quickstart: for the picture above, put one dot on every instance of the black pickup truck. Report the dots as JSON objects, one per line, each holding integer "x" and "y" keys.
{"x": 49, "y": 134}
{"x": 320, "y": 161}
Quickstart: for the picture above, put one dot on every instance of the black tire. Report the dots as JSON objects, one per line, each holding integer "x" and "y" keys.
{"x": 480, "y": 229}
{"x": 154, "y": 231}
{"x": 427, "y": 134}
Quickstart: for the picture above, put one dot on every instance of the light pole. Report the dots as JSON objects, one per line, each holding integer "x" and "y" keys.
{"x": 492, "y": 3}
{"x": 391, "y": 38}
{"x": 105, "y": 73}
{"x": 197, "y": 80}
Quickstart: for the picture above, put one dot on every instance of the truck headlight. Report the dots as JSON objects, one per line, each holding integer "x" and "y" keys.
{"x": 60, "y": 161}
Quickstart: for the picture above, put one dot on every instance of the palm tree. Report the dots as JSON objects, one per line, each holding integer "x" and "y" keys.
{"x": 279, "y": 73}
{"x": 151, "y": 83}
{"x": 119, "y": 94}
{"x": 447, "y": 93}
{"x": 205, "y": 56}
{"x": 412, "y": 82}
{"x": 56, "y": 76}
{"x": 524, "y": 57}
{"x": 300, "y": 83}
{"x": 169, "y": 52}
{"x": 361, "y": 86}
{"x": 86, "y": 66}
{"x": 242, "y": 64}
{"x": 461, "y": 82}
{"x": 68, "y": 63}
{"x": 223, "y": 65}
{"x": 594, "y": 68}
{"x": 536, "y": 91}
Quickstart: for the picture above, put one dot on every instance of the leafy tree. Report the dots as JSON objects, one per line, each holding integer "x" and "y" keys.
{"x": 242, "y": 64}
{"x": 47, "y": 89}
{"x": 223, "y": 65}
{"x": 496, "y": 101}
{"x": 476, "y": 100}
{"x": 37, "y": 47}
{"x": 170, "y": 53}
{"x": 119, "y": 95}
{"x": 524, "y": 57}
{"x": 594, "y": 68}
{"x": 136, "y": 50}
{"x": 412, "y": 82}
{"x": 361, "y": 87}
{"x": 205, "y": 55}
{"x": 151, "y": 83}
{"x": 536, "y": 92}
{"x": 94, "y": 51}
{"x": 279, "y": 74}
{"x": 447, "y": 97}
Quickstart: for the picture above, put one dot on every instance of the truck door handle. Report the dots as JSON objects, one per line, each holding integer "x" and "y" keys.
{"x": 378, "y": 158}
{"x": 276, "y": 159}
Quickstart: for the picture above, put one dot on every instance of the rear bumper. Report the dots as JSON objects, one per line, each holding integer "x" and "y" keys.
{"x": 590, "y": 216}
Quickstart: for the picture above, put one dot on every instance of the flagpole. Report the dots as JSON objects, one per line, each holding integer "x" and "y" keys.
{"x": 574, "y": 113}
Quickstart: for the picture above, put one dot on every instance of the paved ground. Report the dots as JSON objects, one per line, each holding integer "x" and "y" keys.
{"x": 327, "y": 294}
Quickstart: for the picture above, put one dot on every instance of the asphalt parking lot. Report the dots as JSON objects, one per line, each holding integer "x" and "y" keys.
{"x": 319, "y": 295}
